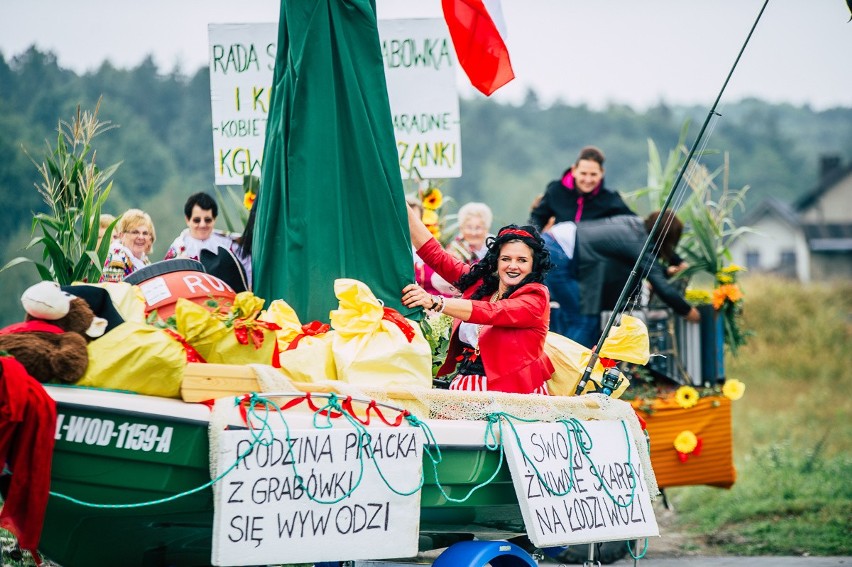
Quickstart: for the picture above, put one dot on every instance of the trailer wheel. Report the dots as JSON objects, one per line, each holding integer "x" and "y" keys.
{"x": 482, "y": 553}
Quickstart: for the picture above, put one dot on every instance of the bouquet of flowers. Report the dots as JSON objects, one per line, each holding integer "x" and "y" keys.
{"x": 727, "y": 299}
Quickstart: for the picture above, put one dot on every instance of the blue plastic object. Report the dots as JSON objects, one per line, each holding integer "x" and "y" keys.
{"x": 480, "y": 553}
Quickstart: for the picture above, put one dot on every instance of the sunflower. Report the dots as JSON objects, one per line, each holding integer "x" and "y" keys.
{"x": 430, "y": 217}
{"x": 686, "y": 396}
{"x": 733, "y": 389}
{"x": 433, "y": 198}
{"x": 685, "y": 442}
{"x": 435, "y": 230}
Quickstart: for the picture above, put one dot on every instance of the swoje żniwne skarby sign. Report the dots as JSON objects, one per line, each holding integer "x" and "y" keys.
{"x": 420, "y": 68}
{"x": 313, "y": 495}
{"x": 580, "y": 483}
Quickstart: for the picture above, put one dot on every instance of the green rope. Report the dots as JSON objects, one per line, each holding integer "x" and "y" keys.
{"x": 255, "y": 441}
{"x": 641, "y": 554}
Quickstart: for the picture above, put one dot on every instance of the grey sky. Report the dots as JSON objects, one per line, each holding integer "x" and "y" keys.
{"x": 629, "y": 51}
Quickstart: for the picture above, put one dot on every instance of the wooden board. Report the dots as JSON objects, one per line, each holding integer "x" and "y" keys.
{"x": 203, "y": 382}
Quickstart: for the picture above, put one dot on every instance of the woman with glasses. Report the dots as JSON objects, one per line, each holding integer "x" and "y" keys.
{"x": 129, "y": 251}
{"x": 200, "y": 212}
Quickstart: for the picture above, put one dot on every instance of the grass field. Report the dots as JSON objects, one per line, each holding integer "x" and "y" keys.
{"x": 792, "y": 430}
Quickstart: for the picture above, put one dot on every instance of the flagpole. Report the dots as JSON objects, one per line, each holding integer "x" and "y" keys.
{"x": 622, "y": 298}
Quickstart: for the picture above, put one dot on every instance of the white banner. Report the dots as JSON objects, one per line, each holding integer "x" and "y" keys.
{"x": 420, "y": 68}
{"x": 303, "y": 498}
{"x": 605, "y": 497}
{"x": 242, "y": 59}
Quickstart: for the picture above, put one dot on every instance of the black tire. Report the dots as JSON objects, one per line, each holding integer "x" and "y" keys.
{"x": 162, "y": 268}
{"x": 607, "y": 552}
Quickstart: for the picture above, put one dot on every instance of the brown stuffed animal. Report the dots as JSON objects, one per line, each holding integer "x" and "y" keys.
{"x": 52, "y": 343}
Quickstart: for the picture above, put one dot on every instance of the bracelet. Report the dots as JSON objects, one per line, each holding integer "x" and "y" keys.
{"x": 435, "y": 303}
{"x": 440, "y": 307}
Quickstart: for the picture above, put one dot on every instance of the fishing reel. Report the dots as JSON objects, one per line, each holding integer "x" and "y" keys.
{"x": 610, "y": 381}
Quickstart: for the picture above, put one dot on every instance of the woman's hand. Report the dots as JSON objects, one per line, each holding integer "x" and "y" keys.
{"x": 415, "y": 296}
{"x": 693, "y": 316}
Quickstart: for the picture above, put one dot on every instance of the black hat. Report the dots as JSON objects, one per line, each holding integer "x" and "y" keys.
{"x": 99, "y": 300}
{"x": 225, "y": 265}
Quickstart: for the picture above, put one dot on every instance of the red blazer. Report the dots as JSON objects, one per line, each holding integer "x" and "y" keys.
{"x": 512, "y": 348}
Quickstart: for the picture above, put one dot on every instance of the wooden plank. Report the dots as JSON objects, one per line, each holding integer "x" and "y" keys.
{"x": 203, "y": 382}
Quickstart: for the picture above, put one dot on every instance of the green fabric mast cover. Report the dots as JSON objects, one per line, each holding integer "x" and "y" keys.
{"x": 331, "y": 203}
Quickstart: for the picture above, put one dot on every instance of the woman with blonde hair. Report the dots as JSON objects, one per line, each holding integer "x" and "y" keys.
{"x": 129, "y": 251}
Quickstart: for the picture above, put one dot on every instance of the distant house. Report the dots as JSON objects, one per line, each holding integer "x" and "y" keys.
{"x": 808, "y": 240}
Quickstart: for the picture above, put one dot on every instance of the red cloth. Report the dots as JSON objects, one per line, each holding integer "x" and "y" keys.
{"x": 512, "y": 348}
{"x": 33, "y": 326}
{"x": 480, "y": 49}
{"x": 27, "y": 429}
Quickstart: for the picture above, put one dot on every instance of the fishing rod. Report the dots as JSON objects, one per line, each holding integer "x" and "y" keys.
{"x": 622, "y": 298}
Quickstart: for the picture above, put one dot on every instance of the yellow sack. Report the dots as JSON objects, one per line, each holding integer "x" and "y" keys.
{"x": 374, "y": 346}
{"x": 246, "y": 341}
{"x": 627, "y": 341}
{"x": 285, "y": 317}
{"x": 311, "y": 360}
{"x": 136, "y": 357}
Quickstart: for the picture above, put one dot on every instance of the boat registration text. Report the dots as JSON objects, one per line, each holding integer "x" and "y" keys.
{"x": 105, "y": 432}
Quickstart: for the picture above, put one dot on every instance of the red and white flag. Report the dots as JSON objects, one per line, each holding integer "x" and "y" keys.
{"x": 479, "y": 44}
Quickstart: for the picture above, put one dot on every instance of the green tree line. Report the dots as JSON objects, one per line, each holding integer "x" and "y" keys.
{"x": 163, "y": 140}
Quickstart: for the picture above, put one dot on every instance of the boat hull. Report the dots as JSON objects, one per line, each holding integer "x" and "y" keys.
{"x": 121, "y": 448}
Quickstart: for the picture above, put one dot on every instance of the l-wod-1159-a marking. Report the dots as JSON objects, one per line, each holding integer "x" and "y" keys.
{"x": 103, "y": 432}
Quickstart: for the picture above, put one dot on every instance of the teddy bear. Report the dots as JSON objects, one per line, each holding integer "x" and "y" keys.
{"x": 52, "y": 342}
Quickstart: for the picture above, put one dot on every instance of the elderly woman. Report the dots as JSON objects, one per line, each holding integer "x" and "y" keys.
{"x": 129, "y": 250}
{"x": 502, "y": 317}
{"x": 474, "y": 223}
{"x": 200, "y": 212}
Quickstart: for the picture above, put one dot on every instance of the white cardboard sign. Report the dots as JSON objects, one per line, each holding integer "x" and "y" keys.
{"x": 263, "y": 513}
{"x": 420, "y": 69}
{"x": 606, "y": 500}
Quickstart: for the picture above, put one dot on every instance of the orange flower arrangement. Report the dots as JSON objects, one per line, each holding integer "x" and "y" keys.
{"x": 726, "y": 292}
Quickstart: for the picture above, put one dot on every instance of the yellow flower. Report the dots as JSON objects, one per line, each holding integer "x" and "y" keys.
{"x": 733, "y": 389}
{"x": 733, "y": 268}
{"x": 248, "y": 200}
{"x": 686, "y": 396}
{"x": 430, "y": 217}
{"x": 698, "y": 296}
{"x": 433, "y": 198}
{"x": 435, "y": 230}
{"x": 724, "y": 278}
{"x": 685, "y": 442}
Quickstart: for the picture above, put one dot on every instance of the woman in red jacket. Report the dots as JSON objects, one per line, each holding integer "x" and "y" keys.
{"x": 502, "y": 317}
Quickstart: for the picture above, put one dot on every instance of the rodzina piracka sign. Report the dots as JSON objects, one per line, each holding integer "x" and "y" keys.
{"x": 600, "y": 496}
{"x": 300, "y": 500}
